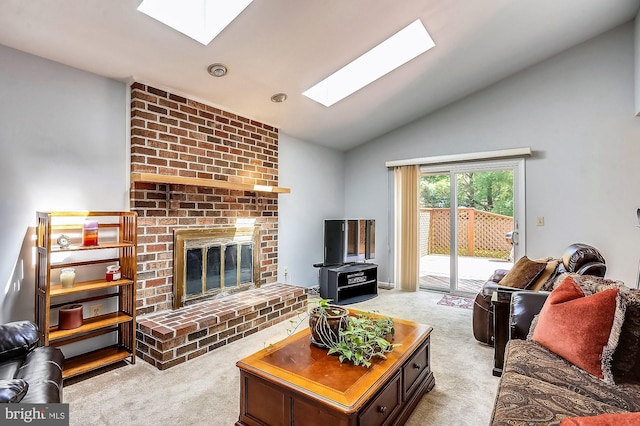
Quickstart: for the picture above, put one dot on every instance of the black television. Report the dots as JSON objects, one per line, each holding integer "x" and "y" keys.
{"x": 348, "y": 240}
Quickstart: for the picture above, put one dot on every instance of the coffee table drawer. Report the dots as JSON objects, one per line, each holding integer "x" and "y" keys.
{"x": 382, "y": 409}
{"x": 415, "y": 368}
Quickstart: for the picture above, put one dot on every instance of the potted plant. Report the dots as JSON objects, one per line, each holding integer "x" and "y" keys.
{"x": 364, "y": 337}
{"x": 325, "y": 323}
{"x": 357, "y": 338}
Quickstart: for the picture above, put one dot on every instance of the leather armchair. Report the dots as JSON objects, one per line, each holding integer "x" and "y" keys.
{"x": 28, "y": 373}
{"x": 578, "y": 258}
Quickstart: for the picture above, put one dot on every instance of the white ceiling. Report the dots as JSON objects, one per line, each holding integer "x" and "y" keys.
{"x": 289, "y": 45}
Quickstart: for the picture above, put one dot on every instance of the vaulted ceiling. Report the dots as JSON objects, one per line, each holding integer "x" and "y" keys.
{"x": 289, "y": 45}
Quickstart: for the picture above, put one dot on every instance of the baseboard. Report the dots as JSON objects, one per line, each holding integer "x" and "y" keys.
{"x": 386, "y": 286}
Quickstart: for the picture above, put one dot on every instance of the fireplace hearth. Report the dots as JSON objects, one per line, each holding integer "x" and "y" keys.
{"x": 214, "y": 262}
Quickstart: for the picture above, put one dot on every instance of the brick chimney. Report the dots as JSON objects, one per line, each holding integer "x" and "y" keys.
{"x": 173, "y": 135}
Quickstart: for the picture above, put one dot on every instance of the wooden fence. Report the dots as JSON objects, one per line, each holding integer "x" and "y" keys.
{"x": 480, "y": 234}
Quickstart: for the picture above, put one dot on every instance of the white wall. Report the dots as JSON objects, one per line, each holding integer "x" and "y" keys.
{"x": 637, "y": 62}
{"x": 315, "y": 175}
{"x": 576, "y": 111}
{"x": 64, "y": 146}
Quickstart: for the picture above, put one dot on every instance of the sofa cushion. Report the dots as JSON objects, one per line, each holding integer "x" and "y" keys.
{"x": 17, "y": 338}
{"x": 547, "y": 275}
{"x": 522, "y": 400}
{"x": 523, "y": 273}
{"x": 622, "y": 419}
{"x": 625, "y": 365}
{"x": 581, "y": 328}
{"x": 590, "y": 284}
{"x": 626, "y": 358}
{"x": 529, "y": 358}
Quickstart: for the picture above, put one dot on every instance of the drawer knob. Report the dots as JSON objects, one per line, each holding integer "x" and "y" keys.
{"x": 417, "y": 366}
{"x": 382, "y": 409}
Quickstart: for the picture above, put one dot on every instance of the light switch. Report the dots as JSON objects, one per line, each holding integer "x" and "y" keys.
{"x": 540, "y": 221}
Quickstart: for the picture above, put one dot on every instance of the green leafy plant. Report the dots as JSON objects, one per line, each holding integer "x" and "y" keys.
{"x": 364, "y": 338}
{"x": 357, "y": 338}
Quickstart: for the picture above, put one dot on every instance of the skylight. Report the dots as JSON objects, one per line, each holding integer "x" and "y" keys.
{"x": 202, "y": 20}
{"x": 395, "y": 51}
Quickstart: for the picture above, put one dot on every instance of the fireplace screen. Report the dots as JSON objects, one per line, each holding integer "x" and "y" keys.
{"x": 210, "y": 261}
{"x": 205, "y": 270}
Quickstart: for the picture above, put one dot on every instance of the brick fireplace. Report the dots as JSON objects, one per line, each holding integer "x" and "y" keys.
{"x": 175, "y": 136}
{"x": 212, "y": 261}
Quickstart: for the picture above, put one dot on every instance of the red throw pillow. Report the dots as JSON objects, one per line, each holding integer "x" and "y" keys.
{"x": 623, "y": 419}
{"x": 577, "y": 327}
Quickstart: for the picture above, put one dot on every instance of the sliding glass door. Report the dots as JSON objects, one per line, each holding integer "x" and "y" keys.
{"x": 471, "y": 223}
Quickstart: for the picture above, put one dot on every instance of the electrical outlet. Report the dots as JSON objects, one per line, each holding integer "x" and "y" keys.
{"x": 286, "y": 271}
{"x": 95, "y": 310}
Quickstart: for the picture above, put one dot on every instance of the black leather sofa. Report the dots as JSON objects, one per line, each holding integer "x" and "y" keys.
{"x": 28, "y": 372}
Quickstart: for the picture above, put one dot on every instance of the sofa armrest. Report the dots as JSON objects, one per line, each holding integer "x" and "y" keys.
{"x": 489, "y": 287}
{"x": 499, "y": 292}
{"x": 584, "y": 259}
{"x": 597, "y": 269}
{"x": 525, "y": 305}
{"x": 17, "y": 338}
{"x": 13, "y": 390}
{"x": 498, "y": 275}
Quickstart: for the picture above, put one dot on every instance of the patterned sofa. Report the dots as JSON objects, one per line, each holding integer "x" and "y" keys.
{"x": 539, "y": 387}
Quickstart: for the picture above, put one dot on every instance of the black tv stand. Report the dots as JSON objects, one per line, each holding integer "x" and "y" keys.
{"x": 349, "y": 283}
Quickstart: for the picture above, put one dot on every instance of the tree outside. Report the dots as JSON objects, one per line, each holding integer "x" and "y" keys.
{"x": 489, "y": 191}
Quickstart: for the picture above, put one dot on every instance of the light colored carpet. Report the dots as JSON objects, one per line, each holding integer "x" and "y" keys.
{"x": 206, "y": 390}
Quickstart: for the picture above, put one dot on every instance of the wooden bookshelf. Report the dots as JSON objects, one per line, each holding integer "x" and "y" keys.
{"x": 117, "y": 233}
{"x": 93, "y": 360}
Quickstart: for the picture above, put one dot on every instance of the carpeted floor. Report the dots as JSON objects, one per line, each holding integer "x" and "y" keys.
{"x": 205, "y": 390}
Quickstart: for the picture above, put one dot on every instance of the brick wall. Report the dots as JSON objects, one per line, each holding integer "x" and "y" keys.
{"x": 173, "y": 135}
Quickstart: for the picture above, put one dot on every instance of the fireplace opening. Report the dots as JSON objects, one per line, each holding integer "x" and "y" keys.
{"x": 206, "y": 270}
{"x": 213, "y": 262}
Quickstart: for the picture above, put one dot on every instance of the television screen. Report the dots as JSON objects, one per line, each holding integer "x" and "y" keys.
{"x": 348, "y": 240}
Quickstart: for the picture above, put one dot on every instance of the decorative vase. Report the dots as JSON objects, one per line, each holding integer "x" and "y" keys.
{"x": 70, "y": 317}
{"x": 67, "y": 277}
{"x": 325, "y": 325}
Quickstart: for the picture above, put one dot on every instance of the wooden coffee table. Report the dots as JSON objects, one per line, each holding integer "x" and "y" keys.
{"x": 295, "y": 383}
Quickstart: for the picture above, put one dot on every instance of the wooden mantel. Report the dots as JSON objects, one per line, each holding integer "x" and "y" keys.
{"x": 212, "y": 183}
